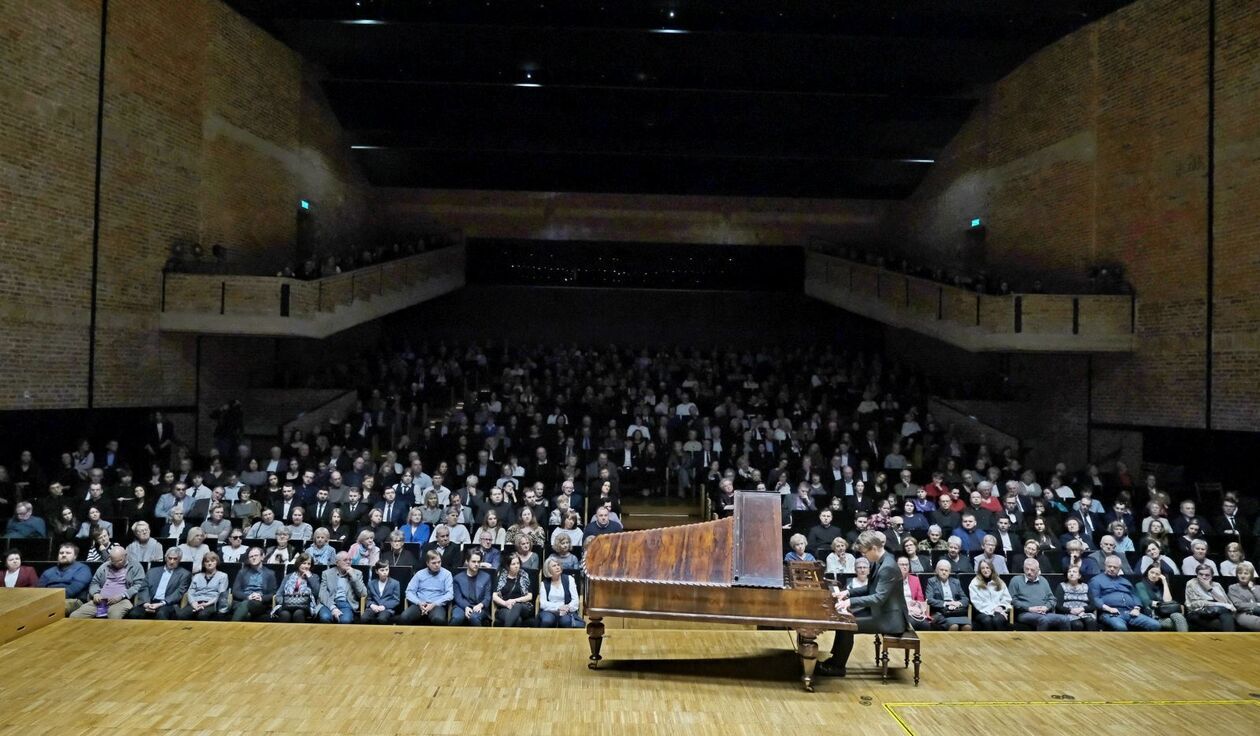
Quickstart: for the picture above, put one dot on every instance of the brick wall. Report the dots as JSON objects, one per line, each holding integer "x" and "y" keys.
{"x": 46, "y": 201}
{"x": 1095, "y": 150}
{"x": 212, "y": 131}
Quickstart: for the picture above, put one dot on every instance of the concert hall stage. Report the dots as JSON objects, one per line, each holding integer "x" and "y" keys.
{"x": 218, "y": 678}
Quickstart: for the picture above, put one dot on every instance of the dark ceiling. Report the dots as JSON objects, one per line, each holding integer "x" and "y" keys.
{"x": 804, "y": 98}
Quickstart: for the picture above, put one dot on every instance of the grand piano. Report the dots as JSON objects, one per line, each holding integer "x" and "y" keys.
{"x": 729, "y": 571}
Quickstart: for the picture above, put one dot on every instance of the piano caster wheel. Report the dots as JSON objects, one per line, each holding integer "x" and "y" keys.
{"x": 594, "y": 661}
{"x": 809, "y": 686}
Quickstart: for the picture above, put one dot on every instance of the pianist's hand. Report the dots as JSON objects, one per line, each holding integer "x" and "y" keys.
{"x": 840, "y": 595}
{"x": 842, "y": 606}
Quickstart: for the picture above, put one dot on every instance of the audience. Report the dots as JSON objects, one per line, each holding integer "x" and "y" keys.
{"x": 549, "y": 444}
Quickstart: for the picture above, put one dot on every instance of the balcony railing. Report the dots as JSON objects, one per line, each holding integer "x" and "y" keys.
{"x": 975, "y": 322}
{"x": 284, "y": 307}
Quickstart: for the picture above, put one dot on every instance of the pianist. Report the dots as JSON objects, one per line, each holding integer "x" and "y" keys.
{"x": 887, "y": 603}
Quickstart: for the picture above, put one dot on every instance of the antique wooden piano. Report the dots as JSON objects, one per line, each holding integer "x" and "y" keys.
{"x": 729, "y": 571}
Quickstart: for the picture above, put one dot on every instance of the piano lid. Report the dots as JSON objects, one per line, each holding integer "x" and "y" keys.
{"x": 758, "y": 539}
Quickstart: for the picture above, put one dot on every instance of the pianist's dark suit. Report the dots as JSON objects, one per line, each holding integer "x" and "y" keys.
{"x": 887, "y": 604}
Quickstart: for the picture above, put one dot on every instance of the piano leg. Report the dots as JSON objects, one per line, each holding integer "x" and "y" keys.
{"x": 807, "y": 647}
{"x": 595, "y": 634}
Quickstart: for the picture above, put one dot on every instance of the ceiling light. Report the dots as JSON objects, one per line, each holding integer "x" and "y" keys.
{"x": 365, "y": 148}
{"x": 669, "y": 30}
{"x": 918, "y": 160}
{"x": 526, "y": 84}
{"x": 364, "y": 22}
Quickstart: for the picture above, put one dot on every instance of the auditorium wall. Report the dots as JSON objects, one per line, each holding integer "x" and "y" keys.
{"x": 640, "y": 218}
{"x": 211, "y": 132}
{"x": 1096, "y": 150}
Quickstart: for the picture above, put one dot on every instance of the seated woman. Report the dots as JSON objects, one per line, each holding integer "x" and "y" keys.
{"x": 1157, "y": 532}
{"x": 297, "y": 599}
{"x": 570, "y": 526}
{"x": 558, "y": 599}
{"x": 415, "y": 530}
{"x": 431, "y": 512}
{"x": 916, "y": 603}
{"x": 17, "y": 575}
{"x": 1073, "y": 600}
{"x": 512, "y": 597}
{"x": 1153, "y": 556}
{"x": 990, "y": 600}
{"x": 919, "y": 563}
{"x": 340, "y": 532}
{"x": 1072, "y": 532}
{"x": 860, "y": 585}
{"x": 65, "y": 526}
{"x": 300, "y": 531}
{"x": 912, "y": 520}
{"x": 364, "y": 551}
{"x": 491, "y": 524}
{"x": 175, "y": 527}
{"x": 1207, "y": 605}
{"x": 1233, "y": 556}
{"x": 195, "y": 549}
{"x": 1045, "y": 536}
{"x": 1155, "y": 595}
{"x": 245, "y": 509}
{"x": 798, "y": 553}
{"x": 947, "y": 601}
{"x": 283, "y": 552}
{"x": 936, "y": 540}
{"x": 839, "y": 561}
{"x": 1245, "y": 595}
{"x": 1185, "y": 543}
{"x": 563, "y": 553}
{"x": 524, "y": 551}
{"x": 1120, "y": 532}
{"x": 527, "y": 524}
{"x": 94, "y": 521}
{"x": 208, "y": 592}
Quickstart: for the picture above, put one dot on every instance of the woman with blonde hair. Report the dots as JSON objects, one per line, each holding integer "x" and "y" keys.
{"x": 1233, "y": 557}
{"x": 990, "y": 600}
{"x": 1245, "y": 595}
{"x": 839, "y": 562}
{"x": 364, "y": 551}
{"x": 798, "y": 553}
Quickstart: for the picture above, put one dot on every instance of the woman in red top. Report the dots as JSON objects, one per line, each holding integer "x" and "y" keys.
{"x": 17, "y": 575}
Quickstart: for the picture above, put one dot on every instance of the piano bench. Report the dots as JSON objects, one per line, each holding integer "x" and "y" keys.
{"x": 908, "y": 642}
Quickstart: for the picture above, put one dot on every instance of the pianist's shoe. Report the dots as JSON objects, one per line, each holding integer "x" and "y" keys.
{"x": 830, "y": 668}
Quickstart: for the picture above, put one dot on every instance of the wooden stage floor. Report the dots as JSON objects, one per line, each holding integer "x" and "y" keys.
{"x": 107, "y": 677}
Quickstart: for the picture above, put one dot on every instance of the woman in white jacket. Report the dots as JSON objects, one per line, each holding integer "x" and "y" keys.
{"x": 990, "y": 600}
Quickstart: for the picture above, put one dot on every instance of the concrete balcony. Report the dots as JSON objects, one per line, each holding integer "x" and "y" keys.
{"x": 1050, "y": 323}
{"x": 280, "y": 307}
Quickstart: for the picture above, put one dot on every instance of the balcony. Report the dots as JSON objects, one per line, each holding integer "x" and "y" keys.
{"x": 1049, "y": 323}
{"x": 281, "y": 307}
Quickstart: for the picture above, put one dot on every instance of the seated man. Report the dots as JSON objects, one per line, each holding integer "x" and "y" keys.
{"x": 1107, "y": 547}
{"x": 207, "y": 591}
{"x": 384, "y": 596}
{"x": 253, "y": 588}
{"x": 114, "y": 587}
{"x": 430, "y": 591}
{"x": 1117, "y": 603}
{"x": 447, "y": 550}
{"x": 1034, "y": 600}
{"x": 472, "y": 594}
{"x": 340, "y": 589}
{"x": 601, "y": 524}
{"x": 164, "y": 591}
{"x": 72, "y": 576}
{"x": 490, "y": 554}
{"x": 887, "y": 604}
{"x": 25, "y": 525}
